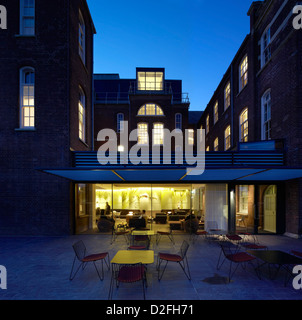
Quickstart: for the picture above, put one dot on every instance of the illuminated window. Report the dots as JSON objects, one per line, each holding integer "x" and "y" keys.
{"x": 216, "y": 112}
{"x": 178, "y": 121}
{"x": 27, "y": 98}
{"x": 243, "y": 199}
{"x": 216, "y": 144}
{"x": 208, "y": 149}
{"x": 244, "y": 126}
{"x": 150, "y": 109}
{"x": 158, "y": 133}
{"x": 27, "y": 17}
{"x": 152, "y": 81}
{"x": 142, "y": 134}
{"x": 207, "y": 124}
{"x": 120, "y": 124}
{"x": 227, "y": 96}
{"x": 82, "y": 115}
{"x": 265, "y": 47}
{"x": 227, "y": 138}
{"x": 266, "y": 116}
{"x": 243, "y": 73}
{"x": 82, "y": 37}
{"x": 190, "y": 136}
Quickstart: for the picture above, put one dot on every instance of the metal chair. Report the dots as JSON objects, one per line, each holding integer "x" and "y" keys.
{"x": 80, "y": 255}
{"x": 127, "y": 273}
{"x": 180, "y": 258}
{"x": 164, "y": 233}
{"x": 120, "y": 233}
{"x": 198, "y": 233}
{"x": 234, "y": 256}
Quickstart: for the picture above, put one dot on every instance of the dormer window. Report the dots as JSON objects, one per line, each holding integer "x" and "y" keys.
{"x": 150, "y": 109}
{"x": 150, "y": 81}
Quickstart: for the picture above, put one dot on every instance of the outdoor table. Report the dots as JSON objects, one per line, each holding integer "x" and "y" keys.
{"x": 277, "y": 258}
{"x": 148, "y": 233}
{"x": 133, "y": 256}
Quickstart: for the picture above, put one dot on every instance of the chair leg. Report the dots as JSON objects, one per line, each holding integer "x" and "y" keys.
{"x": 159, "y": 276}
{"x": 187, "y": 273}
{"x": 71, "y": 277}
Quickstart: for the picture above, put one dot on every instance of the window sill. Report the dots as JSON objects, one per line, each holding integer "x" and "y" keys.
{"x": 25, "y": 129}
{"x": 241, "y": 90}
{"x": 84, "y": 142}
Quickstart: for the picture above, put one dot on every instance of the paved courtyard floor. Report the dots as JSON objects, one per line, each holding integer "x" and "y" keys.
{"x": 38, "y": 268}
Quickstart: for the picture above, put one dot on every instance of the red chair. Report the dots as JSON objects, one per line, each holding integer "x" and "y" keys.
{"x": 127, "y": 273}
{"x": 164, "y": 233}
{"x": 80, "y": 255}
{"x": 296, "y": 253}
{"x": 180, "y": 258}
{"x": 199, "y": 233}
{"x": 235, "y": 257}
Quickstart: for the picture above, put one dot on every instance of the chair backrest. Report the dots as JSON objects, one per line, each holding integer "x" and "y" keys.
{"x": 211, "y": 225}
{"x": 184, "y": 248}
{"x": 79, "y": 249}
{"x": 226, "y": 247}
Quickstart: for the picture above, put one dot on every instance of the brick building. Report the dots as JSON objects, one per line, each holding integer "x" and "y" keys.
{"x": 259, "y": 99}
{"x": 53, "y": 182}
{"x": 45, "y": 68}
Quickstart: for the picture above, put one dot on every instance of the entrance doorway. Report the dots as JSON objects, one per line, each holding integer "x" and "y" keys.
{"x": 269, "y": 212}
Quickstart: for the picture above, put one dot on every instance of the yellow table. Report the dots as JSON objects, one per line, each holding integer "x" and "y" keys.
{"x": 143, "y": 232}
{"x": 133, "y": 256}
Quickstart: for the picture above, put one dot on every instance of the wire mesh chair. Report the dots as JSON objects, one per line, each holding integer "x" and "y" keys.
{"x": 180, "y": 258}
{"x": 80, "y": 255}
{"x": 230, "y": 252}
{"x": 160, "y": 234}
{"x": 127, "y": 273}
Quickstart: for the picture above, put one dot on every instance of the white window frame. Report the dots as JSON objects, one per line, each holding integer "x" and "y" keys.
{"x": 190, "y": 137}
{"x": 156, "y": 110}
{"x": 265, "y": 47}
{"x": 244, "y": 126}
{"x": 27, "y": 101}
{"x": 120, "y": 124}
{"x": 142, "y": 133}
{"x": 178, "y": 121}
{"x": 158, "y": 133}
{"x": 243, "y": 72}
{"x": 215, "y": 112}
{"x": 156, "y": 82}
{"x": 27, "y": 13}
{"x": 227, "y": 138}
{"x": 227, "y": 96}
{"x": 243, "y": 198}
{"x": 266, "y": 118}
{"x": 82, "y": 115}
{"x": 82, "y": 37}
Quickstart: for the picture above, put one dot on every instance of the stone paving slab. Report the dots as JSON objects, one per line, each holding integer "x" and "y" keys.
{"x": 38, "y": 268}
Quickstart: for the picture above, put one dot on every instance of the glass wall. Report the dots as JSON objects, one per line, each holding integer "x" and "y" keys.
{"x": 161, "y": 204}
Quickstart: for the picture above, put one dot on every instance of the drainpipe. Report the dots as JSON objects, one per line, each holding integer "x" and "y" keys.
{"x": 232, "y": 107}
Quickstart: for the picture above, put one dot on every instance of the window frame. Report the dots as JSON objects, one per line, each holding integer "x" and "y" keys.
{"x": 158, "y": 111}
{"x": 145, "y": 136}
{"x": 119, "y": 119}
{"x": 24, "y": 16}
{"x": 22, "y": 106}
{"x": 158, "y": 134}
{"x": 207, "y": 124}
{"x": 144, "y": 85}
{"x": 227, "y": 138}
{"x": 216, "y": 144}
{"x": 82, "y": 120}
{"x": 227, "y": 96}
{"x": 82, "y": 37}
{"x": 178, "y": 121}
{"x": 243, "y": 72}
{"x": 215, "y": 112}
{"x": 265, "y": 47}
{"x": 266, "y": 103}
{"x": 244, "y": 126}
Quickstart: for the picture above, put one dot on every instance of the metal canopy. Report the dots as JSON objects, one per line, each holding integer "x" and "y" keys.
{"x": 142, "y": 175}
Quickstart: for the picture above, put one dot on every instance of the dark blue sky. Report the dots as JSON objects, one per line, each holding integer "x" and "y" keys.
{"x": 194, "y": 40}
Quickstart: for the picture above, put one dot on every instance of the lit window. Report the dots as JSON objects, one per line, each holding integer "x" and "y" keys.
{"x": 244, "y": 126}
{"x": 142, "y": 134}
{"x": 216, "y": 112}
{"x": 216, "y": 144}
{"x": 82, "y": 37}
{"x": 120, "y": 124}
{"x": 208, "y": 149}
{"x": 190, "y": 136}
{"x": 27, "y": 98}
{"x": 27, "y": 17}
{"x": 243, "y": 199}
{"x": 243, "y": 73}
{"x": 227, "y": 96}
{"x": 227, "y": 138}
{"x": 207, "y": 124}
{"x": 265, "y": 47}
{"x": 150, "y": 109}
{"x": 158, "y": 134}
{"x": 266, "y": 116}
{"x": 152, "y": 81}
{"x": 82, "y": 115}
{"x": 178, "y": 121}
